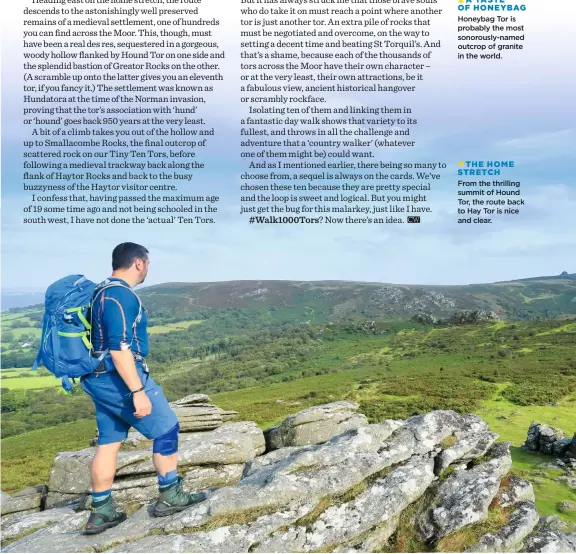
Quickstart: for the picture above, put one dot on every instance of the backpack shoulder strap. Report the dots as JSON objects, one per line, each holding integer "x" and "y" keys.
{"x": 107, "y": 284}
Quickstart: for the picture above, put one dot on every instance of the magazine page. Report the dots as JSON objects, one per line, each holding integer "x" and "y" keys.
{"x": 288, "y": 276}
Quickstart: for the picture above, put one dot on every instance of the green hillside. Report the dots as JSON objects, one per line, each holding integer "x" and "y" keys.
{"x": 543, "y": 297}
{"x": 239, "y": 305}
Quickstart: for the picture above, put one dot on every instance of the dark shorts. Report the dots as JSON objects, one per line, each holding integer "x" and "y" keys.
{"x": 115, "y": 408}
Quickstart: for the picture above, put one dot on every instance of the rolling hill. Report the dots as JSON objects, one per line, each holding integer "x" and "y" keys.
{"x": 533, "y": 298}
{"x": 547, "y": 297}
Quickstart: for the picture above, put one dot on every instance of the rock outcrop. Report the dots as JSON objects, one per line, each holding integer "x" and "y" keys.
{"x": 22, "y": 523}
{"x": 213, "y": 451}
{"x": 207, "y": 459}
{"x": 465, "y": 496}
{"x": 424, "y": 318}
{"x": 315, "y": 425}
{"x": 434, "y": 479}
{"x": 550, "y": 540}
{"x": 571, "y": 451}
{"x": 25, "y": 501}
{"x": 510, "y": 537}
{"x": 517, "y": 491}
{"x": 197, "y": 413}
{"x": 459, "y": 317}
{"x": 545, "y": 439}
{"x": 464, "y": 317}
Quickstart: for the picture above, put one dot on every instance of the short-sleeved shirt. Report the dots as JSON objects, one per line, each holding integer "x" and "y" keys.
{"x": 113, "y": 315}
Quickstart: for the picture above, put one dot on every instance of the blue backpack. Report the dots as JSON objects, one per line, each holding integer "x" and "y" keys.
{"x": 65, "y": 347}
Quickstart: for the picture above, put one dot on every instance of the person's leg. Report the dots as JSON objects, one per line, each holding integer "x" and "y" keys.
{"x": 112, "y": 430}
{"x": 165, "y": 450}
{"x": 103, "y": 468}
{"x": 163, "y": 428}
{"x": 105, "y": 512}
{"x": 172, "y": 498}
{"x": 165, "y": 464}
{"x": 166, "y": 468}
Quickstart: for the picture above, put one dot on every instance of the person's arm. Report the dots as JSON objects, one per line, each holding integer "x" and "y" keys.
{"x": 120, "y": 311}
{"x": 124, "y": 363}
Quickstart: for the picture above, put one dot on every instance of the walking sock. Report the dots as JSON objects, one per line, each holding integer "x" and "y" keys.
{"x": 166, "y": 480}
{"x": 99, "y": 497}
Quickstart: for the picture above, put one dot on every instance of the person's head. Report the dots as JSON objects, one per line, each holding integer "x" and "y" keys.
{"x": 130, "y": 262}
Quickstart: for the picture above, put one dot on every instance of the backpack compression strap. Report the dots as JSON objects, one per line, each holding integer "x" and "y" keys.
{"x": 53, "y": 330}
{"x": 38, "y": 359}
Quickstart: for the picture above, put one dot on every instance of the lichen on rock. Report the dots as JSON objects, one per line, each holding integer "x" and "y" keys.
{"x": 433, "y": 481}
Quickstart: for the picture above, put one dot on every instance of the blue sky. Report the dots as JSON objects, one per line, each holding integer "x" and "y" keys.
{"x": 520, "y": 108}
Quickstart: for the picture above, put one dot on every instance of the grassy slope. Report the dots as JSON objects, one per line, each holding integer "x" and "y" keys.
{"x": 548, "y": 491}
{"x": 25, "y": 464}
{"x": 518, "y": 418}
{"x": 526, "y": 464}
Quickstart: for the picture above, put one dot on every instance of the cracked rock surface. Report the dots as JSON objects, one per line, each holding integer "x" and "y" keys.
{"x": 509, "y": 539}
{"x": 465, "y": 496}
{"x": 435, "y": 474}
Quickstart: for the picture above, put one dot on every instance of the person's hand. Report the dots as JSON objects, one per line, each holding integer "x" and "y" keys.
{"x": 142, "y": 404}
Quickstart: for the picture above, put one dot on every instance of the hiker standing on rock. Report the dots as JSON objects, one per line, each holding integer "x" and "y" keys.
{"x": 125, "y": 395}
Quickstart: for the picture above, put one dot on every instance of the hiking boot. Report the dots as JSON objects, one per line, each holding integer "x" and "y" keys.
{"x": 174, "y": 499}
{"x": 104, "y": 516}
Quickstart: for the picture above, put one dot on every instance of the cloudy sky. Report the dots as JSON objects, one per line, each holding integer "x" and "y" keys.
{"x": 519, "y": 108}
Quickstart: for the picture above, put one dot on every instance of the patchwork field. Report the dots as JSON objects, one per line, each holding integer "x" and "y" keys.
{"x": 28, "y": 382}
{"x": 179, "y": 326}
